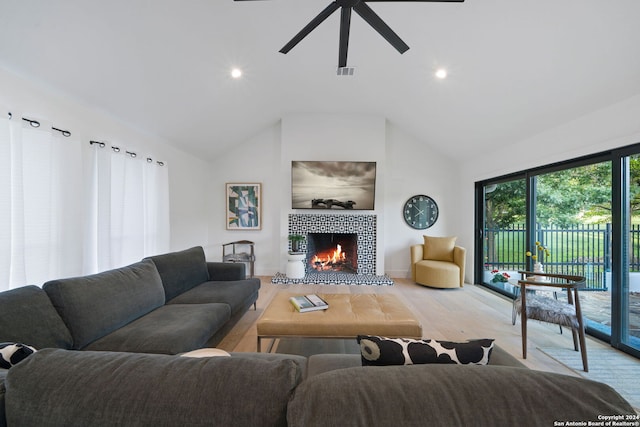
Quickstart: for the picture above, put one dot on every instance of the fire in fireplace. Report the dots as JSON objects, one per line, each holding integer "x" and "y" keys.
{"x": 332, "y": 252}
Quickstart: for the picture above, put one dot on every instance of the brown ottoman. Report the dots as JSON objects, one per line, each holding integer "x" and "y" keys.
{"x": 348, "y": 315}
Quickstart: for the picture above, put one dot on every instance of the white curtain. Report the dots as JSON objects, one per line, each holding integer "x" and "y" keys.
{"x": 40, "y": 204}
{"x": 128, "y": 212}
{"x": 48, "y": 192}
{"x": 5, "y": 203}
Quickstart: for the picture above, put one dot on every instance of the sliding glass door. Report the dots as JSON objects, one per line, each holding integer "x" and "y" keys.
{"x": 587, "y": 213}
{"x": 503, "y": 233}
{"x": 572, "y": 214}
{"x": 626, "y": 297}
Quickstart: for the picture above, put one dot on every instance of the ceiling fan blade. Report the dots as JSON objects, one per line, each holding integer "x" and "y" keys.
{"x": 380, "y": 26}
{"x": 345, "y": 25}
{"x": 431, "y": 1}
{"x": 310, "y": 27}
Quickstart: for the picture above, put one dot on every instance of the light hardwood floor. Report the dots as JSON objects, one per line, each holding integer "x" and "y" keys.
{"x": 451, "y": 314}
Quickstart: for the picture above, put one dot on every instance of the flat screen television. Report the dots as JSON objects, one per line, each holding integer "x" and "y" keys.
{"x": 333, "y": 185}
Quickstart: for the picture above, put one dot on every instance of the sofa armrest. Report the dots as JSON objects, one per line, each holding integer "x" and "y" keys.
{"x": 226, "y": 271}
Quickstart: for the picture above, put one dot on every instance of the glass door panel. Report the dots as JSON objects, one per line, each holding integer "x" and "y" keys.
{"x": 573, "y": 221}
{"x": 504, "y": 232}
{"x": 630, "y": 277}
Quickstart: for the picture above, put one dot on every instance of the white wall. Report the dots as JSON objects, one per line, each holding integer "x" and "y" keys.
{"x": 350, "y": 137}
{"x": 188, "y": 175}
{"x": 611, "y": 127}
{"x": 405, "y": 166}
{"x": 256, "y": 160}
{"x": 414, "y": 167}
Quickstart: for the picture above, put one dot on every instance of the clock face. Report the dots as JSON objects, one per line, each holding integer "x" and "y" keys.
{"x": 420, "y": 212}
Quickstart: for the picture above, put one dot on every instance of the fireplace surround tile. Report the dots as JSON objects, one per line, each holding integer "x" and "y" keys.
{"x": 365, "y": 226}
{"x": 334, "y": 278}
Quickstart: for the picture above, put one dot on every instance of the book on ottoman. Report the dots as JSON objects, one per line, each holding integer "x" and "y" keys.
{"x": 306, "y": 303}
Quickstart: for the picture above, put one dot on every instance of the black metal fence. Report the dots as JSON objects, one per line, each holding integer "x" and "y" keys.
{"x": 581, "y": 249}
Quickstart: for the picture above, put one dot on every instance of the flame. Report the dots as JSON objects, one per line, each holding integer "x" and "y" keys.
{"x": 325, "y": 261}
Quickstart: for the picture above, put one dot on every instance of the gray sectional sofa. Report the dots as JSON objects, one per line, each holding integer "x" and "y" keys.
{"x": 170, "y": 303}
{"x": 108, "y": 349}
{"x": 55, "y": 387}
{"x": 165, "y": 304}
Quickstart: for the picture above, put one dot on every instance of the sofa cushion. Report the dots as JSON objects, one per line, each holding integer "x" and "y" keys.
{"x": 181, "y": 271}
{"x": 96, "y": 305}
{"x": 439, "y": 248}
{"x": 125, "y": 389}
{"x": 170, "y": 329}
{"x": 381, "y": 351}
{"x": 226, "y": 271}
{"x": 238, "y": 294}
{"x": 29, "y": 317}
{"x": 448, "y": 395}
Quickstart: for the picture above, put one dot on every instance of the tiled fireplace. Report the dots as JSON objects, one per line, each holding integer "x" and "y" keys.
{"x": 364, "y": 226}
{"x": 352, "y": 237}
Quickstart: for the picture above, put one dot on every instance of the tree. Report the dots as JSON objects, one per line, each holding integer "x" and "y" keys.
{"x": 575, "y": 195}
{"x": 504, "y": 206}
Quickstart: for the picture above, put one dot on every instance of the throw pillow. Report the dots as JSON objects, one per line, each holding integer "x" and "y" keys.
{"x": 439, "y": 248}
{"x": 12, "y": 353}
{"x": 382, "y": 351}
{"x": 205, "y": 352}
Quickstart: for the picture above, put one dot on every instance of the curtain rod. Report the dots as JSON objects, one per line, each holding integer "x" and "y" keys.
{"x": 129, "y": 153}
{"x": 36, "y": 124}
{"x": 66, "y": 133}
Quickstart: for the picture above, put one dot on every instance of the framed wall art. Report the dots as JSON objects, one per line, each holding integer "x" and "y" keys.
{"x": 333, "y": 185}
{"x": 244, "y": 206}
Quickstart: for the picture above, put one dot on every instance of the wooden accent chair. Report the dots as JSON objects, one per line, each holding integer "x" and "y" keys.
{"x": 438, "y": 263}
{"x": 547, "y": 309}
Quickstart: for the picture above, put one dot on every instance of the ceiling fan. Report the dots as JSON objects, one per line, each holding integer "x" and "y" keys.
{"x": 362, "y": 9}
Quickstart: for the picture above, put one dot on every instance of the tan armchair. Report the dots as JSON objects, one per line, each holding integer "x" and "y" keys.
{"x": 438, "y": 263}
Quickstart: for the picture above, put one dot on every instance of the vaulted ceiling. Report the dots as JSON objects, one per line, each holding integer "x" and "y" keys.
{"x": 515, "y": 68}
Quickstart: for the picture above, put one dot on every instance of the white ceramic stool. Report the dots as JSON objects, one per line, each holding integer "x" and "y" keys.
{"x": 295, "y": 265}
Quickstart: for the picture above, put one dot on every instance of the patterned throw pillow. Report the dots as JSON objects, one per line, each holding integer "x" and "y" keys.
{"x": 381, "y": 351}
{"x": 11, "y": 353}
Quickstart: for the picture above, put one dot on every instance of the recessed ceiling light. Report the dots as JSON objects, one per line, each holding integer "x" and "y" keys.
{"x": 441, "y": 73}
{"x": 236, "y": 73}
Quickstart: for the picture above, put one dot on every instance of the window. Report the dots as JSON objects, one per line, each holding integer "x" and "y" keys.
{"x": 55, "y": 223}
{"x": 585, "y": 212}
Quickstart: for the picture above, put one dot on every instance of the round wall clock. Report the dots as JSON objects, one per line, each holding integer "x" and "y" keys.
{"x": 420, "y": 212}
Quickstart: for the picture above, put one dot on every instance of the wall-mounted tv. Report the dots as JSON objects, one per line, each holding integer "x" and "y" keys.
{"x": 333, "y": 185}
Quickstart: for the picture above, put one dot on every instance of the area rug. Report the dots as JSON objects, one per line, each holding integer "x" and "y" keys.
{"x": 334, "y": 278}
{"x": 611, "y": 367}
{"x": 310, "y": 346}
